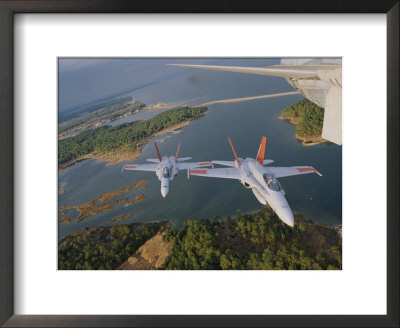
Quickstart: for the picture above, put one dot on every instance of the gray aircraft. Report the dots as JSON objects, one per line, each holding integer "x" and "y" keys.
{"x": 318, "y": 79}
{"x": 166, "y": 167}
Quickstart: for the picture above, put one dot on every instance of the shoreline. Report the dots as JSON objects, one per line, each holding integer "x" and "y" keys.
{"x": 115, "y": 158}
{"x": 308, "y": 140}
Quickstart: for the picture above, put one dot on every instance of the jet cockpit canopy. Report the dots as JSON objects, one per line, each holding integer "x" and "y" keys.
{"x": 272, "y": 182}
{"x": 165, "y": 172}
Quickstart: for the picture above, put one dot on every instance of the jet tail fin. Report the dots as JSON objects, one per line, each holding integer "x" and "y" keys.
{"x": 177, "y": 151}
{"x": 158, "y": 152}
{"x": 234, "y": 152}
{"x": 261, "y": 151}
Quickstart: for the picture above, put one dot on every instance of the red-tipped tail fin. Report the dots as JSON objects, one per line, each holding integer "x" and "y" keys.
{"x": 158, "y": 152}
{"x": 261, "y": 151}
{"x": 177, "y": 152}
{"x": 234, "y": 153}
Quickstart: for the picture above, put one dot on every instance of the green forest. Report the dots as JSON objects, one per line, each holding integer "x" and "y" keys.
{"x": 308, "y": 116}
{"x": 257, "y": 241}
{"x": 254, "y": 241}
{"x": 91, "y": 252}
{"x": 124, "y": 137}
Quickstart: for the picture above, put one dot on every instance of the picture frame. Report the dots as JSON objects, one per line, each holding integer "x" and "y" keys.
{"x": 7, "y": 10}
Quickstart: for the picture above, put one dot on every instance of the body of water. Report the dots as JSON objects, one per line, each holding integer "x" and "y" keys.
{"x": 205, "y": 139}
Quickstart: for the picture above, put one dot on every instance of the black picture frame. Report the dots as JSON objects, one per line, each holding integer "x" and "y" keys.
{"x": 10, "y": 7}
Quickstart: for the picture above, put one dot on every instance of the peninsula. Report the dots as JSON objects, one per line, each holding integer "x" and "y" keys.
{"x": 308, "y": 118}
{"x": 122, "y": 142}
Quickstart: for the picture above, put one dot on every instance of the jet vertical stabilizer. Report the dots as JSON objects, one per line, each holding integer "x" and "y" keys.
{"x": 177, "y": 151}
{"x": 261, "y": 151}
{"x": 158, "y": 152}
{"x": 234, "y": 152}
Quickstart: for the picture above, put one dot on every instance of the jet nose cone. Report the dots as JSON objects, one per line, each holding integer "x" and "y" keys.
{"x": 164, "y": 192}
{"x": 286, "y": 215}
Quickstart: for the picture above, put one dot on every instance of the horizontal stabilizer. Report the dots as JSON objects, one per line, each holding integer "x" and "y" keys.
{"x": 270, "y": 71}
{"x": 267, "y": 161}
{"x": 182, "y": 159}
{"x": 140, "y": 167}
{"x": 153, "y": 160}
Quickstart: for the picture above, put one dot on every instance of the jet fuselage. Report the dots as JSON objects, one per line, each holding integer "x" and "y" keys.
{"x": 266, "y": 188}
{"x": 166, "y": 171}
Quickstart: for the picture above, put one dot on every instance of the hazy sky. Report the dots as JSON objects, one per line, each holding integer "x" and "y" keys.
{"x": 82, "y": 80}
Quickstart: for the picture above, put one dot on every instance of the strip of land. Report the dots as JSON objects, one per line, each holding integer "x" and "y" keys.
{"x": 236, "y": 100}
{"x": 112, "y": 194}
{"x": 102, "y": 204}
{"x": 66, "y": 219}
{"x": 137, "y": 199}
{"x": 120, "y": 217}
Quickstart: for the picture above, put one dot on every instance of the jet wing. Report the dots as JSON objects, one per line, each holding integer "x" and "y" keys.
{"x": 225, "y": 163}
{"x": 270, "y": 71}
{"x": 226, "y": 173}
{"x": 186, "y": 166}
{"x": 322, "y": 66}
{"x": 281, "y": 172}
{"x": 140, "y": 167}
{"x": 233, "y": 163}
{"x": 182, "y": 159}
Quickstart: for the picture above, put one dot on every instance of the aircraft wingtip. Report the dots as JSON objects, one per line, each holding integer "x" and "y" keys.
{"x": 318, "y": 172}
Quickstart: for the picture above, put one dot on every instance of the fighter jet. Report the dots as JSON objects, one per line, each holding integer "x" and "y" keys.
{"x": 166, "y": 167}
{"x": 261, "y": 180}
{"x": 318, "y": 79}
